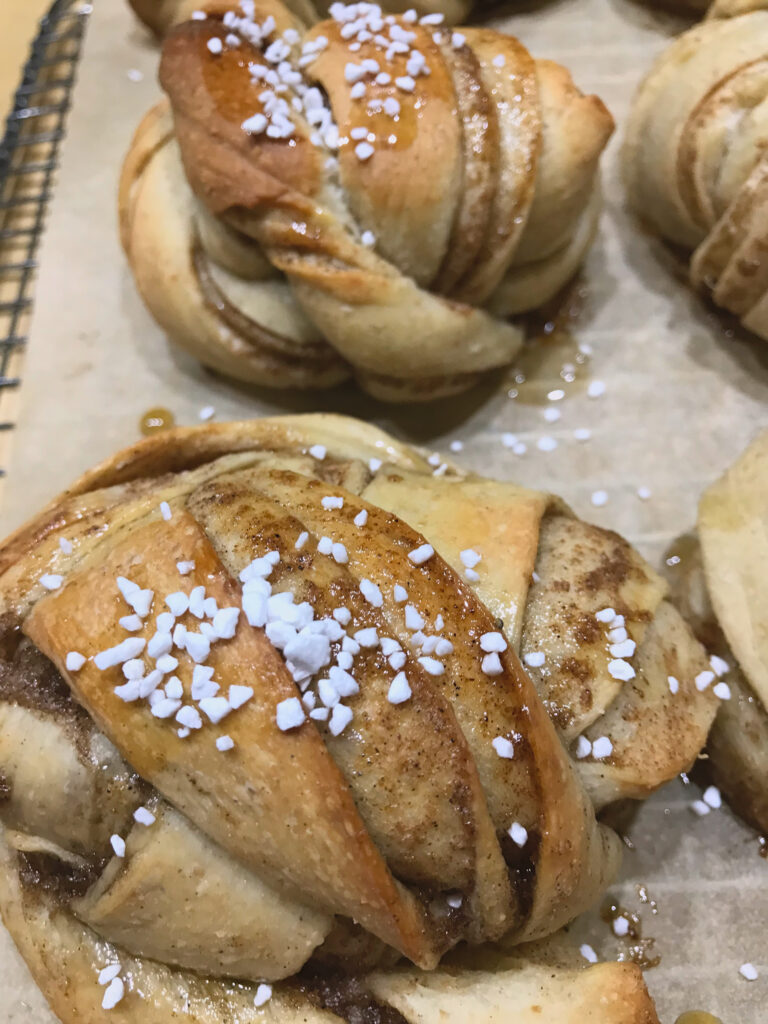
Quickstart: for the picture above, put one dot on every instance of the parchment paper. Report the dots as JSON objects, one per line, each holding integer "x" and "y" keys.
{"x": 684, "y": 394}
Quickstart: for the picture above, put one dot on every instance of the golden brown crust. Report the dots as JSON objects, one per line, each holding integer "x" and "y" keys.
{"x": 733, "y": 8}
{"x": 608, "y": 994}
{"x": 196, "y": 298}
{"x": 189, "y": 447}
{"x": 162, "y": 15}
{"x": 65, "y": 958}
{"x": 738, "y": 741}
{"x": 536, "y": 985}
{"x": 738, "y": 752}
{"x": 245, "y": 807}
{"x": 378, "y": 824}
{"x": 733, "y": 529}
{"x": 581, "y": 567}
{"x": 694, "y": 157}
{"x": 514, "y": 204}
{"x": 733, "y": 532}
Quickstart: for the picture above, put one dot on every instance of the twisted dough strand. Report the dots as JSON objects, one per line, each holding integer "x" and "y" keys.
{"x": 723, "y": 594}
{"x": 464, "y": 813}
{"x": 695, "y": 162}
{"x": 538, "y": 984}
{"x": 480, "y": 196}
{"x": 162, "y": 15}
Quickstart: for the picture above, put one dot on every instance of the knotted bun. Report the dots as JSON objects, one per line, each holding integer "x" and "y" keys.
{"x": 261, "y": 708}
{"x": 377, "y": 224}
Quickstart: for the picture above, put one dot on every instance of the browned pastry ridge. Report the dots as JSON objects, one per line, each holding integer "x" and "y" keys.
{"x": 161, "y": 15}
{"x": 712, "y": 8}
{"x": 724, "y": 594}
{"x": 694, "y": 157}
{"x": 390, "y": 231}
{"x": 733, "y": 8}
{"x": 684, "y": 8}
{"x": 279, "y": 660}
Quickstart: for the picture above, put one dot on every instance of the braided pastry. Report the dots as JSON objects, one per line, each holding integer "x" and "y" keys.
{"x": 167, "y": 694}
{"x": 724, "y": 594}
{"x": 695, "y": 160}
{"x": 376, "y": 223}
{"x": 161, "y": 15}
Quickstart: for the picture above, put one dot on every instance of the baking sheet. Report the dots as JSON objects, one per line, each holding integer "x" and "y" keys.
{"x": 684, "y": 393}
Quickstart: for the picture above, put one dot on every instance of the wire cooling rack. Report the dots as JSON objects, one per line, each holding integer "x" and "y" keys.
{"x": 28, "y": 160}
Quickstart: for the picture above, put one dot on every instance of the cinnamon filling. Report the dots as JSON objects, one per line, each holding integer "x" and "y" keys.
{"x": 64, "y": 881}
{"x": 347, "y": 998}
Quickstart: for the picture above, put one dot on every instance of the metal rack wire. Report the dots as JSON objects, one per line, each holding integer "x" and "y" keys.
{"x": 28, "y": 160}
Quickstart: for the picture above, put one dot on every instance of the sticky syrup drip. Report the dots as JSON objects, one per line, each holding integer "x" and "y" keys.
{"x": 155, "y": 420}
